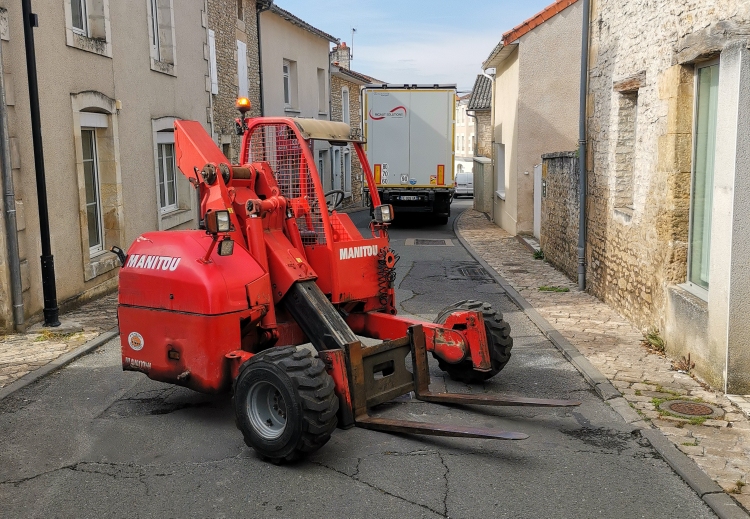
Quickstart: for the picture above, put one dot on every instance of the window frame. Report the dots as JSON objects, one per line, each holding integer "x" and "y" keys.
{"x": 286, "y": 71}
{"x": 96, "y": 34}
{"x": 346, "y": 115}
{"x": 347, "y": 170}
{"x": 83, "y": 31}
{"x": 500, "y": 173}
{"x": 94, "y": 250}
{"x": 163, "y": 54}
{"x": 695, "y": 288}
{"x": 163, "y": 139}
{"x": 155, "y": 51}
{"x": 337, "y": 180}
{"x": 322, "y": 92}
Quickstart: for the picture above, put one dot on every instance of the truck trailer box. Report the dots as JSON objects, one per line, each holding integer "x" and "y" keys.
{"x": 409, "y": 130}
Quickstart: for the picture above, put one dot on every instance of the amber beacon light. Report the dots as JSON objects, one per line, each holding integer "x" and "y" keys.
{"x": 243, "y": 104}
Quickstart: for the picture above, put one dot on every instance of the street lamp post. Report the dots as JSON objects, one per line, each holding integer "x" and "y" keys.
{"x": 51, "y": 317}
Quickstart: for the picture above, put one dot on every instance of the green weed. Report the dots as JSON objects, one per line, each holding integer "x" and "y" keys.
{"x": 545, "y": 288}
{"x": 654, "y": 340}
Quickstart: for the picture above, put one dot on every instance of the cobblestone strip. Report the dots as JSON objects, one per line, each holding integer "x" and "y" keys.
{"x": 612, "y": 345}
{"x": 22, "y": 353}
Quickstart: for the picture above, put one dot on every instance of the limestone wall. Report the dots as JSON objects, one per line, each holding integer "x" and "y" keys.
{"x": 559, "y": 234}
{"x": 639, "y": 154}
{"x": 337, "y": 85}
{"x": 484, "y": 133}
{"x": 223, "y": 19}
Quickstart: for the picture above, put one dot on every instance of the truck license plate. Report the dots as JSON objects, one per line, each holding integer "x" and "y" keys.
{"x": 409, "y": 197}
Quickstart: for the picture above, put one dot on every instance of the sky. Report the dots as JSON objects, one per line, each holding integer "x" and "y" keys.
{"x": 417, "y": 41}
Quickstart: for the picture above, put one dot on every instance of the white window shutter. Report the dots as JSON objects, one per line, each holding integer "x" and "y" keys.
{"x": 242, "y": 68}
{"x": 212, "y": 61}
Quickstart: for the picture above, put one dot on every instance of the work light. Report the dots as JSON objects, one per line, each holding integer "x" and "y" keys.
{"x": 383, "y": 213}
{"x": 218, "y": 221}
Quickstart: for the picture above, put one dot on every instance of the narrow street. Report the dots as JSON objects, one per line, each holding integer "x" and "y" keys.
{"x": 93, "y": 441}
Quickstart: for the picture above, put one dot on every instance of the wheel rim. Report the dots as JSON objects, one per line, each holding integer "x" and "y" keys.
{"x": 266, "y": 409}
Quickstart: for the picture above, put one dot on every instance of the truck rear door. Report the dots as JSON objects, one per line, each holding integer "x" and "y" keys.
{"x": 387, "y": 115}
{"x": 431, "y": 135}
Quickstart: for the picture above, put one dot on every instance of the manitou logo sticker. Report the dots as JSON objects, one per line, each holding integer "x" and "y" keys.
{"x": 397, "y": 113}
{"x": 359, "y": 252}
{"x": 141, "y": 261}
{"x": 137, "y": 365}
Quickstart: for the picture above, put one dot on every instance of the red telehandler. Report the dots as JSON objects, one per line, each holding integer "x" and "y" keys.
{"x": 273, "y": 267}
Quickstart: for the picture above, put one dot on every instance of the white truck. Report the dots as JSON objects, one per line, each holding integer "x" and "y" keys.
{"x": 409, "y": 131}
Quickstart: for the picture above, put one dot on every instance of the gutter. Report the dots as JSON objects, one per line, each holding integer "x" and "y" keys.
{"x": 11, "y": 227}
{"x": 582, "y": 180}
{"x": 492, "y": 142}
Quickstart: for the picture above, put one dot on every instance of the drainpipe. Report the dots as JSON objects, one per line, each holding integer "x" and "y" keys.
{"x": 492, "y": 141}
{"x": 263, "y": 5}
{"x": 51, "y": 311}
{"x": 582, "y": 147}
{"x": 11, "y": 229}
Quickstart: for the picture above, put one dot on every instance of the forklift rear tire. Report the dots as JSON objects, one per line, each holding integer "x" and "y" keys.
{"x": 284, "y": 403}
{"x": 498, "y": 333}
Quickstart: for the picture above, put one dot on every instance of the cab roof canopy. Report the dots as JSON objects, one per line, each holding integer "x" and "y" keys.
{"x": 331, "y": 131}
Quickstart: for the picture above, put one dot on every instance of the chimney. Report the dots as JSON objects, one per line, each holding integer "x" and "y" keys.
{"x": 341, "y": 55}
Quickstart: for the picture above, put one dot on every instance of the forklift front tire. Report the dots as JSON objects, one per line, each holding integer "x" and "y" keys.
{"x": 498, "y": 335}
{"x": 284, "y": 403}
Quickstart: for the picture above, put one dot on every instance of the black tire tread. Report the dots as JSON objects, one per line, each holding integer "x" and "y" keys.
{"x": 501, "y": 343}
{"x": 315, "y": 389}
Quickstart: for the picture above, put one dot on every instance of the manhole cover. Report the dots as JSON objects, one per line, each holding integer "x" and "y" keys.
{"x": 688, "y": 409}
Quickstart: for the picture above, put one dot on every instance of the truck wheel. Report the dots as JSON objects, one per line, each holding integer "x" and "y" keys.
{"x": 500, "y": 343}
{"x": 284, "y": 403}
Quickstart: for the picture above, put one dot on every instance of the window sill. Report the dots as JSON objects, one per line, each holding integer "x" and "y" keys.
{"x": 500, "y": 195}
{"x": 625, "y": 213}
{"x": 100, "y": 264}
{"x": 163, "y": 67}
{"x": 693, "y": 289}
{"x": 174, "y": 218}
{"x": 292, "y": 110}
{"x": 85, "y": 43}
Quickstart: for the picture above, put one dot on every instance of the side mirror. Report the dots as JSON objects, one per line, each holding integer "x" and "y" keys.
{"x": 383, "y": 213}
{"x": 217, "y": 221}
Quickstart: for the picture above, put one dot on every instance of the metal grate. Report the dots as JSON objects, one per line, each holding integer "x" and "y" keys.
{"x": 474, "y": 273}
{"x": 428, "y": 242}
{"x": 277, "y": 145}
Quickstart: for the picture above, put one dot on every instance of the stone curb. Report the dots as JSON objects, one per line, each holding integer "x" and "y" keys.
{"x": 59, "y": 362}
{"x": 706, "y": 488}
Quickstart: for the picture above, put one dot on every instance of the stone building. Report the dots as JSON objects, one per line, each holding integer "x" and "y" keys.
{"x": 535, "y": 108}
{"x": 480, "y": 103}
{"x": 113, "y": 77}
{"x": 346, "y": 106}
{"x": 234, "y": 69}
{"x": 463, "y": 161}
{"x": 669, "y": 176}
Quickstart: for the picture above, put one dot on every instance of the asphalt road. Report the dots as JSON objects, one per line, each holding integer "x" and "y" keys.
{"x": 93, "y": 441}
